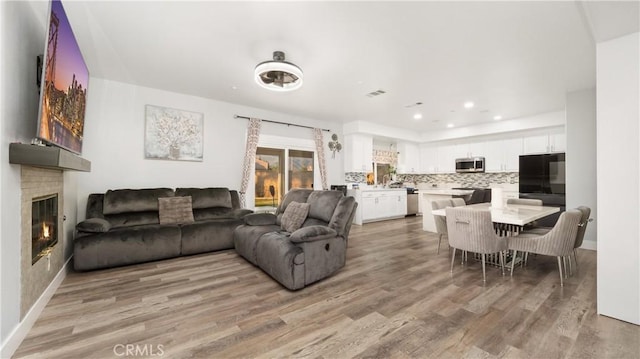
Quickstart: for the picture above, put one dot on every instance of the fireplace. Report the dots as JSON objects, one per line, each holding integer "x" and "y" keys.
{"x": 44, "y": 226}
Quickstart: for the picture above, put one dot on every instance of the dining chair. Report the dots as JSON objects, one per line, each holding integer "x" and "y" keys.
{"x": 441, "y": 222}
{"x": 582, "y": 228}
{"x": 525, "y": 201}
{"x": 558, "y": 242}
{"x": 472, "y": 231}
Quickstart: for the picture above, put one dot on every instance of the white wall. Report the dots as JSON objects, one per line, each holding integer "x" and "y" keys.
{"x": 581, "y": 157}
{"x": 114, "y": 141}
{"x": 19, "y": 111}
{"x": 618, "y": 176}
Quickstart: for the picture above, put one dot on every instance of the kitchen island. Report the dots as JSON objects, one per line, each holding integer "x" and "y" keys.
{"x": 430, "y": 195}
{"x": 379, "y": 204}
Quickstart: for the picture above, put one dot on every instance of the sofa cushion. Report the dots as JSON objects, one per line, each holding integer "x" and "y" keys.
{"x": 323, "y": 204}
{"x": 207, "y": 197}
{"x": 175, "y": 210}
{"x": 260, "y": 219}
{"x": 294, "y": 216}
{"x": 94, "y": 225}
{"x": 203, "y": 214}
{"x": 134, "y": 200}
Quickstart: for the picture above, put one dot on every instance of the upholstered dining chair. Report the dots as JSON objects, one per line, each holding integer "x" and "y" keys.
{"x": 525, "y": 201}
{"x": 582, "y": 228}
{"x": 558, "y": 242}
{"x": 441, "y": 222}
{"x": 472, "y": 230}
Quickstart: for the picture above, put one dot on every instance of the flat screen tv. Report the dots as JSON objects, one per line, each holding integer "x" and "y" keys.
{"x": 543, "y": 173}
{"x": 63, "y": 93}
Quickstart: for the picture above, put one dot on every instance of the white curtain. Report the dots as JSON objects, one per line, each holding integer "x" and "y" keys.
{"x": 319, "y": 139}
{"x": 253, "y": 134}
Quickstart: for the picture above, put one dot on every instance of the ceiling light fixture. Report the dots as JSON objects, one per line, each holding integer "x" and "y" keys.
{"x": 450, "y": 125}
{"x": 497, "y": 118}
{"x": 417, "y": 116}
{"x": 468, "y": 104}
{"x": 278, "y": 74}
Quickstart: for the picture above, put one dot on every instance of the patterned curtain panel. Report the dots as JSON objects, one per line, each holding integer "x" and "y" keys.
{"x": 253, "y": 134}
{"x": 390, "y": 157}
{"x": 319, "y": 139}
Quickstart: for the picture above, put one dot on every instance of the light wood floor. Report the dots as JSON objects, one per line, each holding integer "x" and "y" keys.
{"x": 395, "y": 298}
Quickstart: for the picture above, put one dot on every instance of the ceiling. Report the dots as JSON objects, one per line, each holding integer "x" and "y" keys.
{"x": 511, "y": 59}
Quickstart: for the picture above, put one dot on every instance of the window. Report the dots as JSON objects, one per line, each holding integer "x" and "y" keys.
{"x": 300, "y": 169}
{"x": 271, "y": 166}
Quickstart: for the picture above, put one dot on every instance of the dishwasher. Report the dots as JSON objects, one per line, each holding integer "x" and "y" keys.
{"x": 412, "y": 201}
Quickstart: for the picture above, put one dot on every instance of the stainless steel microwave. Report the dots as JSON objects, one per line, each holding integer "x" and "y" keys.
{"x": 474, "y": 164}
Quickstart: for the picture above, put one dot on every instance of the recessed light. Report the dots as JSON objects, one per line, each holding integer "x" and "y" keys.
{"x": 468, "y": 104}
{"x": 497, "y": 118}
{"x": 417, "y": 116}
{"x": 234, "y": 87}
{"x": 450, "y": 125}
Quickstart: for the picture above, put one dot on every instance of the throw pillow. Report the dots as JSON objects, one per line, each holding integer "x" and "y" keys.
{"x": 294, "y": 216}
{"x": 175, "y": 210}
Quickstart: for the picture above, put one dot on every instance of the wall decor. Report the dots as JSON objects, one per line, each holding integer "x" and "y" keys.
{"x": 172, "y": 134}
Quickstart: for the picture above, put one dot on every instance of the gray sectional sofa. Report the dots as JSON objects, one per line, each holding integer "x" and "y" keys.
{"x": 124, "y": 226}
{"x": 299, "y": 257}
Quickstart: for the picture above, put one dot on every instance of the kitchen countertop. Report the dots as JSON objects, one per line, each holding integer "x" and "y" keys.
{"x": 447, "y": 192}
{"x": 371, "y": 189}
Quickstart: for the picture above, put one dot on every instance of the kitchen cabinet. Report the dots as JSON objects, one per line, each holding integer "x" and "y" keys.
{"x": 428, "y": 159}
{"x": 358, "y": 150}
{"x": 447, "y": 155}
{"x": 503, "y": 155}
{"x": 379, "y": 204}
{"x": 408, "y": 158}
{"x": 471, "y": 149}
{"x": 553, "y": 141}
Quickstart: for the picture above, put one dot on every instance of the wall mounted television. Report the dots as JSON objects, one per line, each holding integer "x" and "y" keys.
{"x": 544, "y": 173}
{"x": 63, "y": 92}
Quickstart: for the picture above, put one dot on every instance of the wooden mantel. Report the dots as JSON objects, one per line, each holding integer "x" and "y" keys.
{"x": 47, "y": 157}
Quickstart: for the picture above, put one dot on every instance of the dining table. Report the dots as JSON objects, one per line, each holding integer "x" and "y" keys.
{"x": 508, "y": 220}
{"x": 513, "y": 214}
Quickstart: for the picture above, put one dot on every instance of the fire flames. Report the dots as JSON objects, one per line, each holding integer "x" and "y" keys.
{"x": 45, "y": 231}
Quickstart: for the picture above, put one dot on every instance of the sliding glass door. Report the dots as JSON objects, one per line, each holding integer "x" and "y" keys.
{"x": 279, "y": 170}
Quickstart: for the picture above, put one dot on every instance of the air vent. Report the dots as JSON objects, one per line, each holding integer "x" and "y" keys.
{"x": 376, "y": 93}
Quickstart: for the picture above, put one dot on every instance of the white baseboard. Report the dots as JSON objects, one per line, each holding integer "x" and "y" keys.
{"x": 22, "y": 329}
{"x": 591, "y": 245}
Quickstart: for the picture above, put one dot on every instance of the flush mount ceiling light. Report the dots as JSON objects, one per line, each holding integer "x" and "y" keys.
{"x": 278, "y": 74}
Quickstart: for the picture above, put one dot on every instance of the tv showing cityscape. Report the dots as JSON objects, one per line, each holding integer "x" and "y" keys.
{"x": 63, "y": 95}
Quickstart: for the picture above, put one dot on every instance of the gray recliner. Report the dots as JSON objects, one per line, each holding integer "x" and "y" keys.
{"x": 307, "y": 255}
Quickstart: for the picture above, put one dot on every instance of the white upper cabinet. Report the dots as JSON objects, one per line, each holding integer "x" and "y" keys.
{"x": 503, "y": 155}
{"x": 428, "y": 159}
{"x": 471, "y": 149}
{"x": 408, "y": 158}
{"x": 447, "y": 155}
{"x": 358, "y": 153}
{"x": 552, "y": 141}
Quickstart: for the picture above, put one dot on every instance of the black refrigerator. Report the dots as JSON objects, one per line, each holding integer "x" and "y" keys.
{"x": 543, "y": 177}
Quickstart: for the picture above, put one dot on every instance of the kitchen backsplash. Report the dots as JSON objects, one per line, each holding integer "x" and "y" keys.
{"x": 463, "y": 179}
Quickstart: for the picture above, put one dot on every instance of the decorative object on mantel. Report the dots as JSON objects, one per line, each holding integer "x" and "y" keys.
{"x": 172, "y": 134}
{"x": 278, "y": 74}
{"x": 334, "y": 145}
{"x": 47, "y": 157}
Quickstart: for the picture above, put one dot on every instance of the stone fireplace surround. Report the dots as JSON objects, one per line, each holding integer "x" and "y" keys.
{"x": 38, "y": 182}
